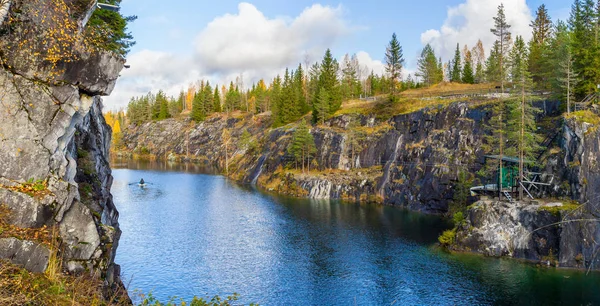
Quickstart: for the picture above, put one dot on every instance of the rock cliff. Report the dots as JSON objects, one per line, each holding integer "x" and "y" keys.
{"x": 410, "y": 160}
{"x": 561, "y": 234}
{"x": 54, "y": 170}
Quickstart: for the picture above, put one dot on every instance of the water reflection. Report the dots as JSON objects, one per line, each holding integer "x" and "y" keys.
{"x": 194, "y": 234}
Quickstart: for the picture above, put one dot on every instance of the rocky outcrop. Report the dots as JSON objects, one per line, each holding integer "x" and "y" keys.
{"x": 500, "y": 228}
{"x": 53, "y": 135}
{"x": 410, "y": 160}
{"x": 550, "y": 233}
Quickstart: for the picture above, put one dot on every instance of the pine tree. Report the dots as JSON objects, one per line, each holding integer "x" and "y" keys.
{"x": 328, "y": 81}
{"x": 217, "y": 100}
{"x": 302, "y": 146}
{"x": 585, "y": 45}
{"x": 456, "y": 66}
{"x": 320, "y": 106}
{"x": 197, "y": 114}
{"x": 428, "y": 67}
{"x": 502, "y": 31}
{"x": 467, "y": 74}
{"x": 538, "y": 48}
{"x": 493, "y": 64}
{"x": 562, "y": 62}
{"x": 478, "y": 54}
{"x": 299, "y": 92}
{"x": 394, "y": 60}
{"x": 521, "y": 120}
{"x": 516, "y": 59}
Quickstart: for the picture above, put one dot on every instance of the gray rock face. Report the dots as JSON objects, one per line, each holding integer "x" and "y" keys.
{"x": 497, "y": 228}
{"x": 412, "y": 160}
{"x": 565, "y": 238}
{"x": 32, "y": 256}
{"x": 52, "y": 130}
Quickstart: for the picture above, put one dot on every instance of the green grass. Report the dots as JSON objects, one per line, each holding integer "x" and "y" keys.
{"x": 586, "y": 116}
{"x": 556, "y": 210}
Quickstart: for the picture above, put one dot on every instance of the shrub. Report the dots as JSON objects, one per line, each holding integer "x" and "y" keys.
{"x": 447, "y": 237}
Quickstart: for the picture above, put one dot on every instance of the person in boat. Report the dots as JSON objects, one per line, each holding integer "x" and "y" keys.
{"x": 142, "y": 182}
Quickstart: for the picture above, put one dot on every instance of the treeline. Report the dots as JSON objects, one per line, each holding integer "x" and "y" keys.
{"x": 562, "y": 58}
{"x": 319, "y": 89}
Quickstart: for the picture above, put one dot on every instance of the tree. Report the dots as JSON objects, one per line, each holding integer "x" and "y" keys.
{"x": 247, "y": 142}
{"x": 562, "y": 64}
{"x": 467, "y": 74}
{"x": 302, "y": 146}
{"x": 501, "y": 30}
{"x": 478, "y": 54}
{"x": 320, "y": 106}
{"x": 538, "y": 48}
{"x": 428, "y": 67}
{"x": 394, "y": 61}
{"x": 217, "y": 100}
{"x": 328, "y": 82}
{"x": 584, "y": 24}
{"x": 456, "y": 66}
{"x": 522, "y": 124}
{"x": 198, "y": 113}
{"x": 517, "y": 59}
{"x": 108, "y": 30}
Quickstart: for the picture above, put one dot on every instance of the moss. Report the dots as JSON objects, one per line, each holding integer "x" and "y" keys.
{"x": 556, "y": 210}
{"x": 585, "y": 116}
{"x": 81, "y": 153}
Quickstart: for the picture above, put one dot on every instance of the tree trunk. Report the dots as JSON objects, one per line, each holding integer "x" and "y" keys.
{"x": 522, "y": 141}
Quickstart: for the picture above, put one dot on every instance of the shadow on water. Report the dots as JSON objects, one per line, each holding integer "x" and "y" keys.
{"x": 191, "y": 234}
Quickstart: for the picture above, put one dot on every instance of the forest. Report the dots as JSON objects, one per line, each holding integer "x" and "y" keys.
{"x": 562, "y": 59}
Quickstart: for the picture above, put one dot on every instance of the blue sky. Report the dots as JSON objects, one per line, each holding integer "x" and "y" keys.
{"x": 179, "y": 42}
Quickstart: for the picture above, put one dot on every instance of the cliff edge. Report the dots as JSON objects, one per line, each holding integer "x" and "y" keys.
{"x": 54, "y": 170}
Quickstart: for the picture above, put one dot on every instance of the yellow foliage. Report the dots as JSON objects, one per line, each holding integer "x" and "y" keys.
{"x": 116, "y": 127}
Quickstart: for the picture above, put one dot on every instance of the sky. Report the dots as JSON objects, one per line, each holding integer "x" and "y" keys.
{"x": 180, "y": 42}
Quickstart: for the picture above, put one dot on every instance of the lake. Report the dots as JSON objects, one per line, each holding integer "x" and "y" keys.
{"x": 188, "y": 233}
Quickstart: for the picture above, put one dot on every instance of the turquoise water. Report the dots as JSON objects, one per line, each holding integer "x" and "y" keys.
{"x": 189, "y": 234}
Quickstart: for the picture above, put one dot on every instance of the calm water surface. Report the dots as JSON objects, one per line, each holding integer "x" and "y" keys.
{"x": 189, "y": 234}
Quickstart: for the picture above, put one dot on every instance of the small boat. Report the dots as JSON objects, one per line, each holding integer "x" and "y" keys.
{"x": 142, "y": 183}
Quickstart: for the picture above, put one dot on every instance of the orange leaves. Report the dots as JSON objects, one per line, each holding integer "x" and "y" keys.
{"x": 40, "y": 235}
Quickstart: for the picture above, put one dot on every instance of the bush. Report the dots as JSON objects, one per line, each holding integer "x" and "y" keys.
{"x": 447, "y": 237}
{"x": 458, "y": 218}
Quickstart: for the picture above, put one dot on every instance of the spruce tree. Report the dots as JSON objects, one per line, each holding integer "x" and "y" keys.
{"x": 328, "y": 81}
{"x": 302, "y": 146}
{"x": 502, "y": 31}
{"x": 197, "y": 114}
{"x": 394, "y": 60}
{"x": 521, "y": 128}
{"x": 320, "y": 106}
{"x": 564, "y": 77}
{"x": 539, "y": 48}
{"x": 584, "y": 24}
{"x": 456, "y": 66}
{"x": 428, "y": 67}
{"x": 217, "y": 100}
{"x": 467, "y": 74}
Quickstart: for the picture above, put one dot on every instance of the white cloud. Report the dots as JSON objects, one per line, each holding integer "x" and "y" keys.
{"x": 247, "y": 42}
{"x": 366, "y": 61}
{"x": 472, "y": 20}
